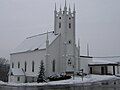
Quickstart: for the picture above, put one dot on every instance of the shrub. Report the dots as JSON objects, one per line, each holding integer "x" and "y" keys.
{"x": 57, "y": 77}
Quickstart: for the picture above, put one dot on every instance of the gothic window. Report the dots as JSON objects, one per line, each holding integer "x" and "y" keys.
{"x": 59, "y": 25}
{"x": 69, "y": 25}
{"x": 25, "y": 66}
{"x": 33, "y": 66}
{"x": 53, "y": 68}
{"x": 18, "y": 64}
{"x": 12, "y": 65}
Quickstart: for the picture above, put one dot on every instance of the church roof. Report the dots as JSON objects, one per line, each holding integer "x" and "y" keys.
{"x": 36, "y": 42}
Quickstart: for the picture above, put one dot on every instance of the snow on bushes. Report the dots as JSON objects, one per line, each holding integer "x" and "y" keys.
{"x": 57, "y": 77}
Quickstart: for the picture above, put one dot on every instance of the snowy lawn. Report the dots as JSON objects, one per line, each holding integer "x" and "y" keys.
{"x": 77, "y": 80}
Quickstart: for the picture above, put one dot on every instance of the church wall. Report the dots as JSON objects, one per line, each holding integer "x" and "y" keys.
{"x": 54, "y": 54}
{"x": 35, "y": 56}
{"x": 70, "y": 43}
{"x": 77, "y": 61}
{"x": 84, "y": 61}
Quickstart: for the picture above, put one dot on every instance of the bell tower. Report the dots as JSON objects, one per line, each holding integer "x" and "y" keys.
{"x": 64, "y": 24}
{"x": 64, "y": 19}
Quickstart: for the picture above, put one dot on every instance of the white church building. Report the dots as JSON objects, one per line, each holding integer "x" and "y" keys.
{"x": 57, "y": 49}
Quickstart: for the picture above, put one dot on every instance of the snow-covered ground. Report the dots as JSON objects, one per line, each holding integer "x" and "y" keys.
{"x": 77, "y": 80}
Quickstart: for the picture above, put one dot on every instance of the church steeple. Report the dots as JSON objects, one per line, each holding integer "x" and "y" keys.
{"x": 74, "y": 10}
{"x": 69, "y": 9}
{"x": 65, "y": 7}
{"x": 55, "y": 7}
{"x": 47, "y": 40}
{"x": 64, "y": 25}
{"x": 55, "y": 16}
{"x": 60, "y": 12}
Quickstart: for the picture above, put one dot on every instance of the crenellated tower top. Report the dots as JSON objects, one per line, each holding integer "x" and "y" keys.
{"x": 65, "y": 10}
{"x": 61, "y": 17}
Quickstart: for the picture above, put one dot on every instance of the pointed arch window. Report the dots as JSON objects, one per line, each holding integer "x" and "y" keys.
{"x": 25, "y": 66}
{"x": 33, "y": 66}
{"x": 18, "y": 64}
{"x": 12, "y": 65}
{"x": 53, "y": 66}
{"x": 59, "y": 24}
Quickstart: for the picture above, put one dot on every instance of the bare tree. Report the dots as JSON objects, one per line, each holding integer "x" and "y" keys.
{"x": 4, "y": 69}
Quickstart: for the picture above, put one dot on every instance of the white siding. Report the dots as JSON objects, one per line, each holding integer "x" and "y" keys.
{"x": 35, "y": 56}
{"x": 84, "y": 61}
{"x": 14, "y": 79}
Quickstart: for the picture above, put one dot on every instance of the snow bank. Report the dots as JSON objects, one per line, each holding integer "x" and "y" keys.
{"x": 77, "y": 80}
{"x": 88, "y": 79}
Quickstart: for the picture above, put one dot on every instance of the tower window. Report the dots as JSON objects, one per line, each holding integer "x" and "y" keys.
{"x": 53, "y": 68}
{"x": 33, "y": 66}
{"x": 59, "y": 25}
{"x": 25, "y": 66}
{"x": 69, "y": 25}
{"x": 18, "y": 64}
{"x": 69, "y": 18}
{"x": 69, "y": 61}
{"x": 69, "y": 41}
{"x": 12, "y": 65}
{"x": 59, "y": 17}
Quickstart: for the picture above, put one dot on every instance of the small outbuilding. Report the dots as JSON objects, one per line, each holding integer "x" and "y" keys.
{"x": 104, "y": 67}
{"x": 17, "y": 75}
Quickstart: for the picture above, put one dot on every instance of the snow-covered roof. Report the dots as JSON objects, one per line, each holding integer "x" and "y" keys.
{"x": 35, "y": 42}
{"x": 17, "y": 71}
{"x": 99, "y": 61}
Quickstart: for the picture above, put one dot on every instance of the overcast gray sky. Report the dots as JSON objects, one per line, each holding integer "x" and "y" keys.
{"x": 97, "y": 23}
